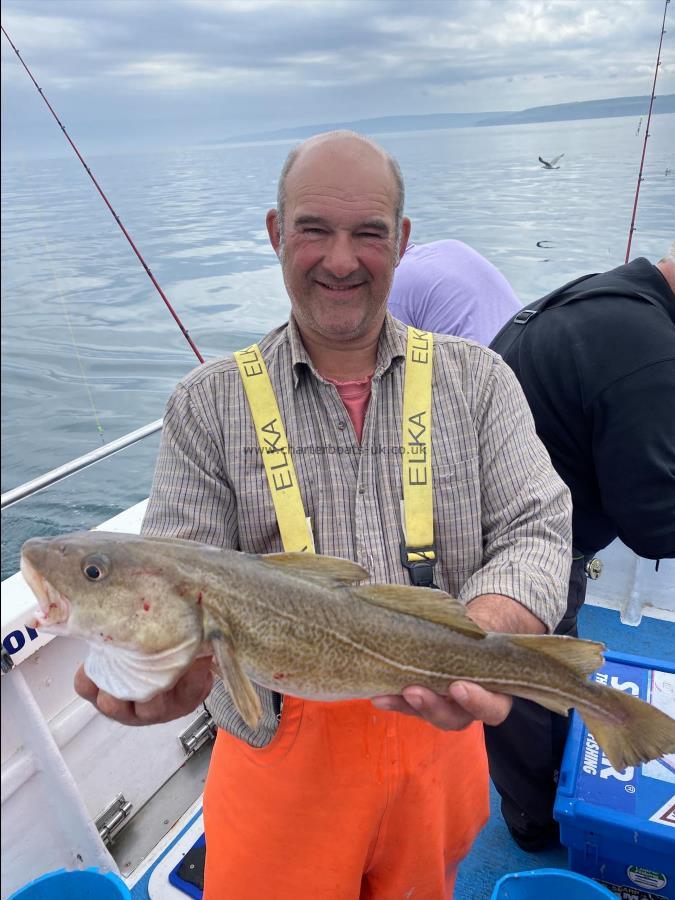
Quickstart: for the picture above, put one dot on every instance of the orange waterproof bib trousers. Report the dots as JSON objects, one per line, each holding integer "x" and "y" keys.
{"x": 345, "y": 803}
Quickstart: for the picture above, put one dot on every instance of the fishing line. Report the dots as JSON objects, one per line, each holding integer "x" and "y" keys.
{"x": 644, "y": 143}
{"x": 64, "y": 306}
{"x": 107, "y": 203}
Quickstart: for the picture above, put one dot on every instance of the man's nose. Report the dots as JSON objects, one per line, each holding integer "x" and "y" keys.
{"x": 340, "y": 258}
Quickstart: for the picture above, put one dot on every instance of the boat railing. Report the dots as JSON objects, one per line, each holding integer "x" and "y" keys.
{"x": 633, "y": 586}
{"x": 76, "y": 465}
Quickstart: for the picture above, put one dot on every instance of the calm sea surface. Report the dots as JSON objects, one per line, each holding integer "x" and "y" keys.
{"x": 87, "y": 342}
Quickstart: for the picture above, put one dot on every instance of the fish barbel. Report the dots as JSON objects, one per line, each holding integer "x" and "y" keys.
{"x": 302, "y": 624}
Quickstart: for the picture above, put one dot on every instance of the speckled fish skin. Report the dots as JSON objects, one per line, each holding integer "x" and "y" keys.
{"x": 300, "y": 625}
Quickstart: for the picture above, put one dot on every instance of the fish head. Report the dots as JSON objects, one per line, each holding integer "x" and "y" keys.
{"x": 112, "y": 588}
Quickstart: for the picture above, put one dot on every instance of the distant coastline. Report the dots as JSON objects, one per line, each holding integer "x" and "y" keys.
{"x": 586, "y": 109}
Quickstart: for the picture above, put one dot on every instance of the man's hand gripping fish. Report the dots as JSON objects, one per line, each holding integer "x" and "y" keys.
{"x": 303, "y": 625}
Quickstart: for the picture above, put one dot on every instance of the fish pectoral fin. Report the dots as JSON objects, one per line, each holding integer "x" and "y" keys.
{"x": 311, "y": 565}
{"x": 581, "y": 655}
{"x": 238, "y": 683}
{"x": 423, "y": 603}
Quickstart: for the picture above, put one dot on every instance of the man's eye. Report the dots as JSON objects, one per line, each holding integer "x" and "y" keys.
{"x": 370, "y": 234}
{"x": 314, "y": 231}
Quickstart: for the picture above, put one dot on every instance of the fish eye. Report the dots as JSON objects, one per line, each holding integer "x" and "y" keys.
{"x": 95, "y": 568}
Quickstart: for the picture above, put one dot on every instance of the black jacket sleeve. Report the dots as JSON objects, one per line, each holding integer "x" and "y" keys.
{"x": 634, "y": 456}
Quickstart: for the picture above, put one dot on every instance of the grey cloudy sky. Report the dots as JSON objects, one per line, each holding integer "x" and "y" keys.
{"x": 173, "y": 72}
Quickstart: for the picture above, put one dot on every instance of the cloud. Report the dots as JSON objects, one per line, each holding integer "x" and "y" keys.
{"x": 185, "y": 66}
{"x": 169, "y": 71}
{"x": 39, "y": 33}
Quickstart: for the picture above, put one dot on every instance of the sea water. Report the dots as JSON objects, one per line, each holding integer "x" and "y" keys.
{"x": 89, "y": 351}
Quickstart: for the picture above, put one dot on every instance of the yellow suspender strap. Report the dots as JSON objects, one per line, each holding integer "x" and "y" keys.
{"x": 295, "y": 529}
{"x": 417, "y": 549}
{"x": 418, "y": 552}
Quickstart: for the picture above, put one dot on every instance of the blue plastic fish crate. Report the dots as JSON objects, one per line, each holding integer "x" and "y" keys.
{"x": 619, "y": 827}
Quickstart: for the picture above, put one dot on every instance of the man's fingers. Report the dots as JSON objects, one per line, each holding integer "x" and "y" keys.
{"x": 85, "y": 687}
{"x": 425, "y": 704}
{"x": 393, "y": 703}
{"x": 120, "y": 710}
{"x": 481, "y": 704}
{"x": 439, "y": 711}
{"x": 189, "y": 691}
{"x": 464, "y": 704}
{"x": 194, "y": 687}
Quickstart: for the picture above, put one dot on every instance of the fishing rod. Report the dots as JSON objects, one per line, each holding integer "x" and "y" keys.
{"x": 644, "y": 143}
{"x": 108, "y": 204}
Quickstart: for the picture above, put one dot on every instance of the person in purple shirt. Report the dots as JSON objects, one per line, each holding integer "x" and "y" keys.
{"x": 448, "y": 288}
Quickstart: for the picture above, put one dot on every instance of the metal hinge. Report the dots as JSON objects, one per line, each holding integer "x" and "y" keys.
{"x": 7, "y": 663}
{"x": 113, "y": 817}
{"x": 197, "y": 733}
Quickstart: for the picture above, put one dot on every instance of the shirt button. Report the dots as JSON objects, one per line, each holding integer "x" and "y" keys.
{"x": 362, "y": 489}
{"x": 342, "y": 425}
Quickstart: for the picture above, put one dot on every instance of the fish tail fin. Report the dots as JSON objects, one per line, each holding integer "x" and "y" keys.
{"x": 636, "y": 731}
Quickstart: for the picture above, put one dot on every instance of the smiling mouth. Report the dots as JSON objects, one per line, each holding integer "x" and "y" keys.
{"x": 54, "y": 608}
{"x": 339, "y": 288}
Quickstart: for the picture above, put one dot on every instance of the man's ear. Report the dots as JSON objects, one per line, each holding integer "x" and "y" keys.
{"x": 272, "y": 222}
{"x": 405, "y": 235}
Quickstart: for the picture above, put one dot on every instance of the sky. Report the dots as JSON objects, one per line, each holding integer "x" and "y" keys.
{"x": 126, "y": 74}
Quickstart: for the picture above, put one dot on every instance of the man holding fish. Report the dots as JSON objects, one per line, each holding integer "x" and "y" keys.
{"x": 400, "y": 457}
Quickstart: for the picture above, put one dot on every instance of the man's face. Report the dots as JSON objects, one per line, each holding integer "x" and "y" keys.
{"x": 340, "y": 247}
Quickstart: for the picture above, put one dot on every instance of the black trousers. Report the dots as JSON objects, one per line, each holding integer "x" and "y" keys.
{"x": 525, "y": 751}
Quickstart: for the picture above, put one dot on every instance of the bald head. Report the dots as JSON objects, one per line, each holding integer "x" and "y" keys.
{"x": 333, "y": 145}
{"x": 339, "y": 233}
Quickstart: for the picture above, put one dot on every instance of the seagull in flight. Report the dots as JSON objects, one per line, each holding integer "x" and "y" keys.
{"x": 552, "y": 164}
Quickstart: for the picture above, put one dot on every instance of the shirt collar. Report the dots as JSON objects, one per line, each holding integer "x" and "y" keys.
{"x": 391, "y": 346}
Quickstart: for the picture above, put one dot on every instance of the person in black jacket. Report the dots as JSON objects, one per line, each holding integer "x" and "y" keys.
{"x": 596, "y": 360}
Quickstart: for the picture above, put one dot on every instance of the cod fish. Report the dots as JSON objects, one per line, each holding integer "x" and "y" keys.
{"x": 302, "y": 624}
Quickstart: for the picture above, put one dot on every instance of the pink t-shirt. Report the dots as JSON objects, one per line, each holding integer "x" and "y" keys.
{"x": 355, "y": 395}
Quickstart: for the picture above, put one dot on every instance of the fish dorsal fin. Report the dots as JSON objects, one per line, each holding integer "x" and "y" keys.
{"x": 424, "y": 603}
{"x": 581, "y": 655}
{"x": 310, "y": 565}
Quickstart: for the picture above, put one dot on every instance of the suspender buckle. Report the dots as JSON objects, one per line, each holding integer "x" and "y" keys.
{"x": 524, "y": 316}
{"x": 593, "y": 568}
{"x": 421, "y": 570}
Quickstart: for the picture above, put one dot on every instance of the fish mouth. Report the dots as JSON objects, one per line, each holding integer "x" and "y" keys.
{"x": 54, "y": 608}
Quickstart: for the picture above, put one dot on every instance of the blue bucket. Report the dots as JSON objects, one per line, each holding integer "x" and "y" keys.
{"x": 89, "y": 884}
{"x": 553, "y": 884}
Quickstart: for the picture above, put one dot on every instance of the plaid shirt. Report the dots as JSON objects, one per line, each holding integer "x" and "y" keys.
{"x": 502, "y": 517}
